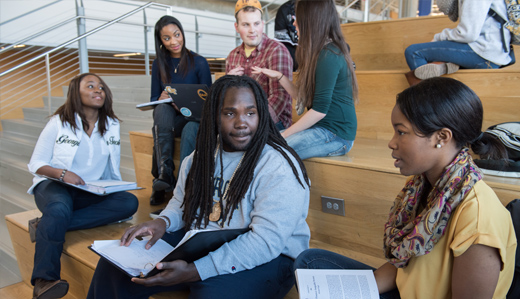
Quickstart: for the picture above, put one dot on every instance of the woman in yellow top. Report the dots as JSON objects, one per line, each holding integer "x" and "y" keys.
{"x": 447, "y": 234}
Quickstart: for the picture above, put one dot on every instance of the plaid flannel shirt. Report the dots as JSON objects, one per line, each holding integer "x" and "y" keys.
{"x": 272, "y": 55}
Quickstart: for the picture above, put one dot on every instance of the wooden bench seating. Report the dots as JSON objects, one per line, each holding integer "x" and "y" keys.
{"x": 365, "y": 178}
{"x": 380, "y": 45}
{"x": 77, "y": 261}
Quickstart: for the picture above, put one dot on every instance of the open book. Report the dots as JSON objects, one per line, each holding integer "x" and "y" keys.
{"x": 151, "y": 105}
{"x": 332, "y": 284}
{"x": 135, "y": 260}
{"x": 99, "y": 187}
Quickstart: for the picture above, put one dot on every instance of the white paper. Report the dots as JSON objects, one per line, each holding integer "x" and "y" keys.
{"x": 336, "y": 284}
{"x": 110, "y": 183}
{"x": 151, "y": 105}
{"x": 134, "y": 259}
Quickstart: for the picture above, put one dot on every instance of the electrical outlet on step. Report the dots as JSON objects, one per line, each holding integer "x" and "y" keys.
{"x": 332, "y": 205}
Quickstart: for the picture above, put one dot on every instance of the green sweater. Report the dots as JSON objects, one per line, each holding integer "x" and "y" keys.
{"x": 333, "y": 94}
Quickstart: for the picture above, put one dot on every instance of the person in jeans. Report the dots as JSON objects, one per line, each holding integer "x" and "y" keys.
{"x": 447, "y": 235}
{"x": 326, "y": 85}
{"x": 81, "y": 142}
{"x": 174, "y": 64}
{"x": 241, "y": 175}
{"x": 478, "y": 42}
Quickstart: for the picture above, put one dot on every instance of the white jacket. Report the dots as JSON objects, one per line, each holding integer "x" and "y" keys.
{"x": 65, "y": 144}
{"x": 480, "y": 31}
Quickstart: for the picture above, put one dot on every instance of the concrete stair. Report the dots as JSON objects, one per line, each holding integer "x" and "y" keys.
{"x": 17, "y": 143}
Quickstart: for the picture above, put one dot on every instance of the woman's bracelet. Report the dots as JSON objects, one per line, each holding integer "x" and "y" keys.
{"x": 62, "y": 175}
{"x": 166, "y": 220}
{"x": 280, "y": 78}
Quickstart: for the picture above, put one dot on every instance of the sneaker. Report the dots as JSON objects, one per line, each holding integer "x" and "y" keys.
{"x": 435, "y": 69}
{"x": 155, "y": 214}
{"x": 33, "y": 224}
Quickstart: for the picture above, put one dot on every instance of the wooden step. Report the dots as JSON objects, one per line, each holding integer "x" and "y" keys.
{"x": 351, "y": 178}
{"x": 380, "y": 45}
{"x": 497, "y": 89}
{"x": 16, "y": 291}
{"x": 77, "y": 261}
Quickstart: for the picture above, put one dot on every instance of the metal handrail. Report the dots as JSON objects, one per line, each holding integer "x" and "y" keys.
{"x": 78, "y": 38}
{"x": 30, "y": 12}
{"x": 38, "y": 34}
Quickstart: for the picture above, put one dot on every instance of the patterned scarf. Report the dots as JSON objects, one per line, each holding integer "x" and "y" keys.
{"x": 449, "y": 8}
{"x": 408, "y": 233}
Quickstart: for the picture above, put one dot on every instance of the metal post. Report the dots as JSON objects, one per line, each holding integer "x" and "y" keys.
{"x": 48, "y": 71}
{"x": 367, "y": 11}
{"x": 400, "y": 9}
{"x": 82, "y": 43}
{"x": 196, "y": 35}
{"x": 146, "y": 52}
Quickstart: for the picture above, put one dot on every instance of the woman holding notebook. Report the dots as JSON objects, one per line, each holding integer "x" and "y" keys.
{"x": 447, "y": 234}
{"x": 174, "y": 64}
{"x": 79, "y": 143}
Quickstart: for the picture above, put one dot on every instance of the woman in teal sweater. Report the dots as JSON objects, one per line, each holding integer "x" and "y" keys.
{"x": 327, "y": 84}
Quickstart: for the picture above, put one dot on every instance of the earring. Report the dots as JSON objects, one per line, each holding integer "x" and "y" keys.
{"x": 438, "y": 145}
{"x": 160, "y": 46}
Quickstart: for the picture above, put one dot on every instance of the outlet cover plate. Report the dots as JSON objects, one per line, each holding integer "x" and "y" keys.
{"x": 332, "y": 205}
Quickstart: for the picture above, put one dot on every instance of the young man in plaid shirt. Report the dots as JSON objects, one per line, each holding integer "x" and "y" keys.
{"x": 259, "y": 50}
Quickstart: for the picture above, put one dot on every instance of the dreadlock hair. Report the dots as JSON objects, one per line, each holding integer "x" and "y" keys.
{"x": 199, "y": 189}
{"x": 72, "y": 106}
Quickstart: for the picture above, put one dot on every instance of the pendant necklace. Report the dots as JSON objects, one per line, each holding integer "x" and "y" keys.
{"x": 177, "y": 67}
{"x": 216, "y": 211}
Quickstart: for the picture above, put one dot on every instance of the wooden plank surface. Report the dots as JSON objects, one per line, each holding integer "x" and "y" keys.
{"x": 16, "y": 291}
{"x": 380, "y": 45}
{"x": 498, "y": 91}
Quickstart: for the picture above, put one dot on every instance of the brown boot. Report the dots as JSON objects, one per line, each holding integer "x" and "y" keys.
{"x": 33, "y": 224}
{"x": 50, "y": 289}
{"x": 410, "y": 77}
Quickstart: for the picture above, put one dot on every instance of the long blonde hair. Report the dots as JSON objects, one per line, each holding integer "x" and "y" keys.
{"x": 319, "y": 24}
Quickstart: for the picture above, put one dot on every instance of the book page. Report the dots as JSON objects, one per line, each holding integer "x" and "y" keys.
{"x": 109, "y": 183}
{"x": 336, "y": 284}
{"x": 134, "y": 259}
{"x": 150, "y": 105}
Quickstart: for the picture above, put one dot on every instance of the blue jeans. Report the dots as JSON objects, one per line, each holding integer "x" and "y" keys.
{"x": 318, "y": 142}
{"x": 271, "y": 280}
{"x": 65, "y": 209}
{"x": 323, "y": 259}
{"x": 188, "y": 139}
{"x": 446, "y": 51}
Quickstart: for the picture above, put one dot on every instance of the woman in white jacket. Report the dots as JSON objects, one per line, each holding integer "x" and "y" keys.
{"x": 81, "y": 142}
{"x": 478, "y": 42}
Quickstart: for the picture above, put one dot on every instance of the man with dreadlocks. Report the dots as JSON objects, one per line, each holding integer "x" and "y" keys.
{"x": 242, "y": 174}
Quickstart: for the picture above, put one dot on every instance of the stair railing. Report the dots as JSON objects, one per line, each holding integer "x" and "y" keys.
{"x": 26, "y": 73}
